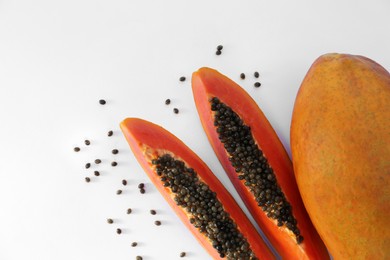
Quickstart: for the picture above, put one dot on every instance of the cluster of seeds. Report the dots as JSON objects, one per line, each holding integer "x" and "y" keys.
{"x": 205, "y": 211}
{"x": 97, "y": 161}
{"x": 256, "y": 75}
{"x": 175, "y": 109}
{"x": 168, "y": 101}
{"x": 219, "y": 50}
{"x": 111, "y": 221}
{"x": 157, "y": 222}
{"x": 251, "y": 166}
{"x": 134, "y": 244}
{"x": 141, "y": 188}
{"x": 124, "y": 182}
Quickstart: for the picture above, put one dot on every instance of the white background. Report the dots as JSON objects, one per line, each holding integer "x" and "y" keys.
{"x": 58, "y": 58}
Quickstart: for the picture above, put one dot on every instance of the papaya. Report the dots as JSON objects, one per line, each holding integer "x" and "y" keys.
{"x": 256, "y": 163}
{"x": 340, "y": 143}
{"x": 195, "y": 194}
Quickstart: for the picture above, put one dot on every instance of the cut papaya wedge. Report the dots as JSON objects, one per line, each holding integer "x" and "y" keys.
{"x": 256, "y": 163}
{"x": 195, "y": 194}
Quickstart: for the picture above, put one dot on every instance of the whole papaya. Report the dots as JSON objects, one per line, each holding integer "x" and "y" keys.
{"x": 340, "y": 144}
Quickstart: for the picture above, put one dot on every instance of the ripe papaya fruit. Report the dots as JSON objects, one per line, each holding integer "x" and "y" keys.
{"x": 196, "y": 195}
{"x": 256, "y": 163}
{"x": 340, "y": 142}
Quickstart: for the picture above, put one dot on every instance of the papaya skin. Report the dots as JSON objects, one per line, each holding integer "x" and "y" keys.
{"x": 140, "y": 134}
{"x": 340, "y": 143}
{"x": 208, "y": 83}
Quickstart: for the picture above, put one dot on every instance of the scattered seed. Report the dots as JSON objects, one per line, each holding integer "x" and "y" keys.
{"x": 97, "y": 173}
{"x": 134, "y": 244}
{"x": 218, "y": 52}
{"x": 142, "y": 191}
{"x": 76, "y": 149}
{"x": 176, "y": 111}
{"x": 124, "y": 182}
{"x": 87, "y": 165}
{"x": 113, "y": 164}
{"x": 97, "y": 161}
{"x": 153, "y": 212}
{"x": 110, "y": 133}
{"x": 119, "y": 231}
{"x": 129, "y": 211}
{"x": 118, "y": 192}
{"x": 141, "y": 185}
{"x": 182, "y": 78}
{"x": 115, "y": 151}
{"x": 138, "y": 257}
{"x": 182, "y": 254}
{"x": 257, "y": 84}
{"x": 219, "y": 47}
{"x": 102, "y": 102}
{"x": 157, "y": 223}
{"x": 87, "y": 179}
{"x": 167, "y": 101}
{"x": 256, "y": 74}
{"x": 110, "y": 221}
{"x": 87, "y": 142}
{"x": 242, "y": 75}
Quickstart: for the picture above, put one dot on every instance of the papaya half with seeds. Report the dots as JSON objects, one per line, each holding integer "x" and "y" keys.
{"x": 196, "y": 195}
{"x": 340, "y": 143}
{"x": 256, "y": 163}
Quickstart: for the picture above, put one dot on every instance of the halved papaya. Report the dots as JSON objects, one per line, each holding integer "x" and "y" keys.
{"x": 256, "y": 163}
{"x": 195, "y": 194}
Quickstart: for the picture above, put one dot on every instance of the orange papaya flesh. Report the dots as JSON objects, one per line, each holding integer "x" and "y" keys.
{"x": 340, "y": 148}
{"x": 194, "y": 193}
{"x": 256, "y": 163}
